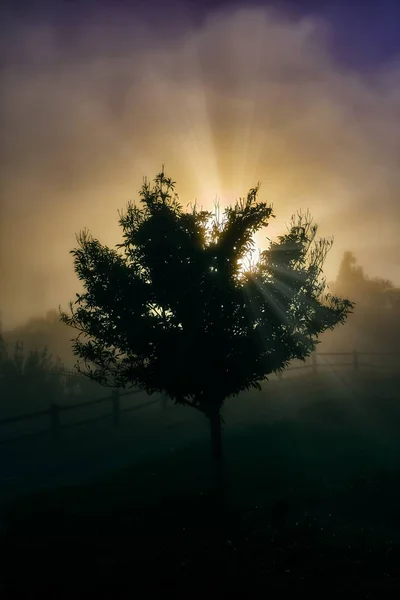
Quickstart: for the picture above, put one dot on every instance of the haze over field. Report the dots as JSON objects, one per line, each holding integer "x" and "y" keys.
{"x": 248, "y": 95}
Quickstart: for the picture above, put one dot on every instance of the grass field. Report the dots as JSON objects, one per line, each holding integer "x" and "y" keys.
{"x": 313, "y": 504}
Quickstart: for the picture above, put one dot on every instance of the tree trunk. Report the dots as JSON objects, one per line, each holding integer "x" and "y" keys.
{"x": 218, "y": 463}
{"x": 216, "y": 448}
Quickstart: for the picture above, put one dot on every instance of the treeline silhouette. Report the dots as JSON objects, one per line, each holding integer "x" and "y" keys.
{"x": 33, "y": 362}
{"x": 28, "y": 380}
{"x": 41, "y": 332}
{"x": 374, "y": 325}
{"x": 34, "y": 354}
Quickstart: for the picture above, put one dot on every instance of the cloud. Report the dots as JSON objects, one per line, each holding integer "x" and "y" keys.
{"x": 247, "y": 95}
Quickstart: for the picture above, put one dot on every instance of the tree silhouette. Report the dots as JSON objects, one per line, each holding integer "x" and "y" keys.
{"x": 28, "y": 377}
{"x": 375, "y": 324}
{"x": 44, "y": 332}
{"x": 367, "y": 291}
{"x": 173, "y": 309}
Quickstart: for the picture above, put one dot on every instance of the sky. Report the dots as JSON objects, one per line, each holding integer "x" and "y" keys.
{"x": 301, "y": 96}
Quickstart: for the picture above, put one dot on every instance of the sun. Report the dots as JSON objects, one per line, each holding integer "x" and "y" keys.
{"x": 221, "y": 201}
{"x": 250, "y": 259}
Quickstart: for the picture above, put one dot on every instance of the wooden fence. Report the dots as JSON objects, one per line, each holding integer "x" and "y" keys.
{"x": 55, "y": 410}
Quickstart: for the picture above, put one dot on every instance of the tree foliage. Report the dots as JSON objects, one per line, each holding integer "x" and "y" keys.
{"x": 172, "y": 309}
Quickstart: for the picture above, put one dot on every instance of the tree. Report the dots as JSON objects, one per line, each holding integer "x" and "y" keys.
{"x": 173, "y": 309}
{"x": 392, "y": 300}
{"x": 28, "y": 378}
{"x": 44, "y": 332}
{"x": 375, "y": 324}
{"x": 369, "y": 292}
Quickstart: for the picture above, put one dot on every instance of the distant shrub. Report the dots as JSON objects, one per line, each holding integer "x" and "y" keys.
{"x": 28, "y": 378}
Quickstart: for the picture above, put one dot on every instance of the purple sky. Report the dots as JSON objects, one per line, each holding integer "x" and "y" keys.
{"x": 365, "y": 33}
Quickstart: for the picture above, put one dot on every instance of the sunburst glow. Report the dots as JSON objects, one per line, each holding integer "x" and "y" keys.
{"x": 247, "y": 96}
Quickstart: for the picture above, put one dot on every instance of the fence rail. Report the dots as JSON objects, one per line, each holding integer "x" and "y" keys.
{"x": 55, "y": 410}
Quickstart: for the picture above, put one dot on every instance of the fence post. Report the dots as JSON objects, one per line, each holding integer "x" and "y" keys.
{"x": 314, "y": 361}
{"x": 116, "y": 407}
{"x": 55, "y": 421}
{"x": 355, "y": 361}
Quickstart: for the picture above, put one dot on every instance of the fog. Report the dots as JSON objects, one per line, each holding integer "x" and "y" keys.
{"x": 247, "y": 95}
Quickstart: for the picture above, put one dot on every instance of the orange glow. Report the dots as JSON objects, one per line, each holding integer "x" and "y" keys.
{"x": 247, "y": 97}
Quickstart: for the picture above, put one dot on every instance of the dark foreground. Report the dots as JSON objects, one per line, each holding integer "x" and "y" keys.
{"x": 313, "y": 506}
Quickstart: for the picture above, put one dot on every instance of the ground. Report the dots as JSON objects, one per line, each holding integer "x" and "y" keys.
{"x": 312, "y": 505}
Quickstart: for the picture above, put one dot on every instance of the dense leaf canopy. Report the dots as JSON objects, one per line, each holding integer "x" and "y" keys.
{"x": 173, "y": 309}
